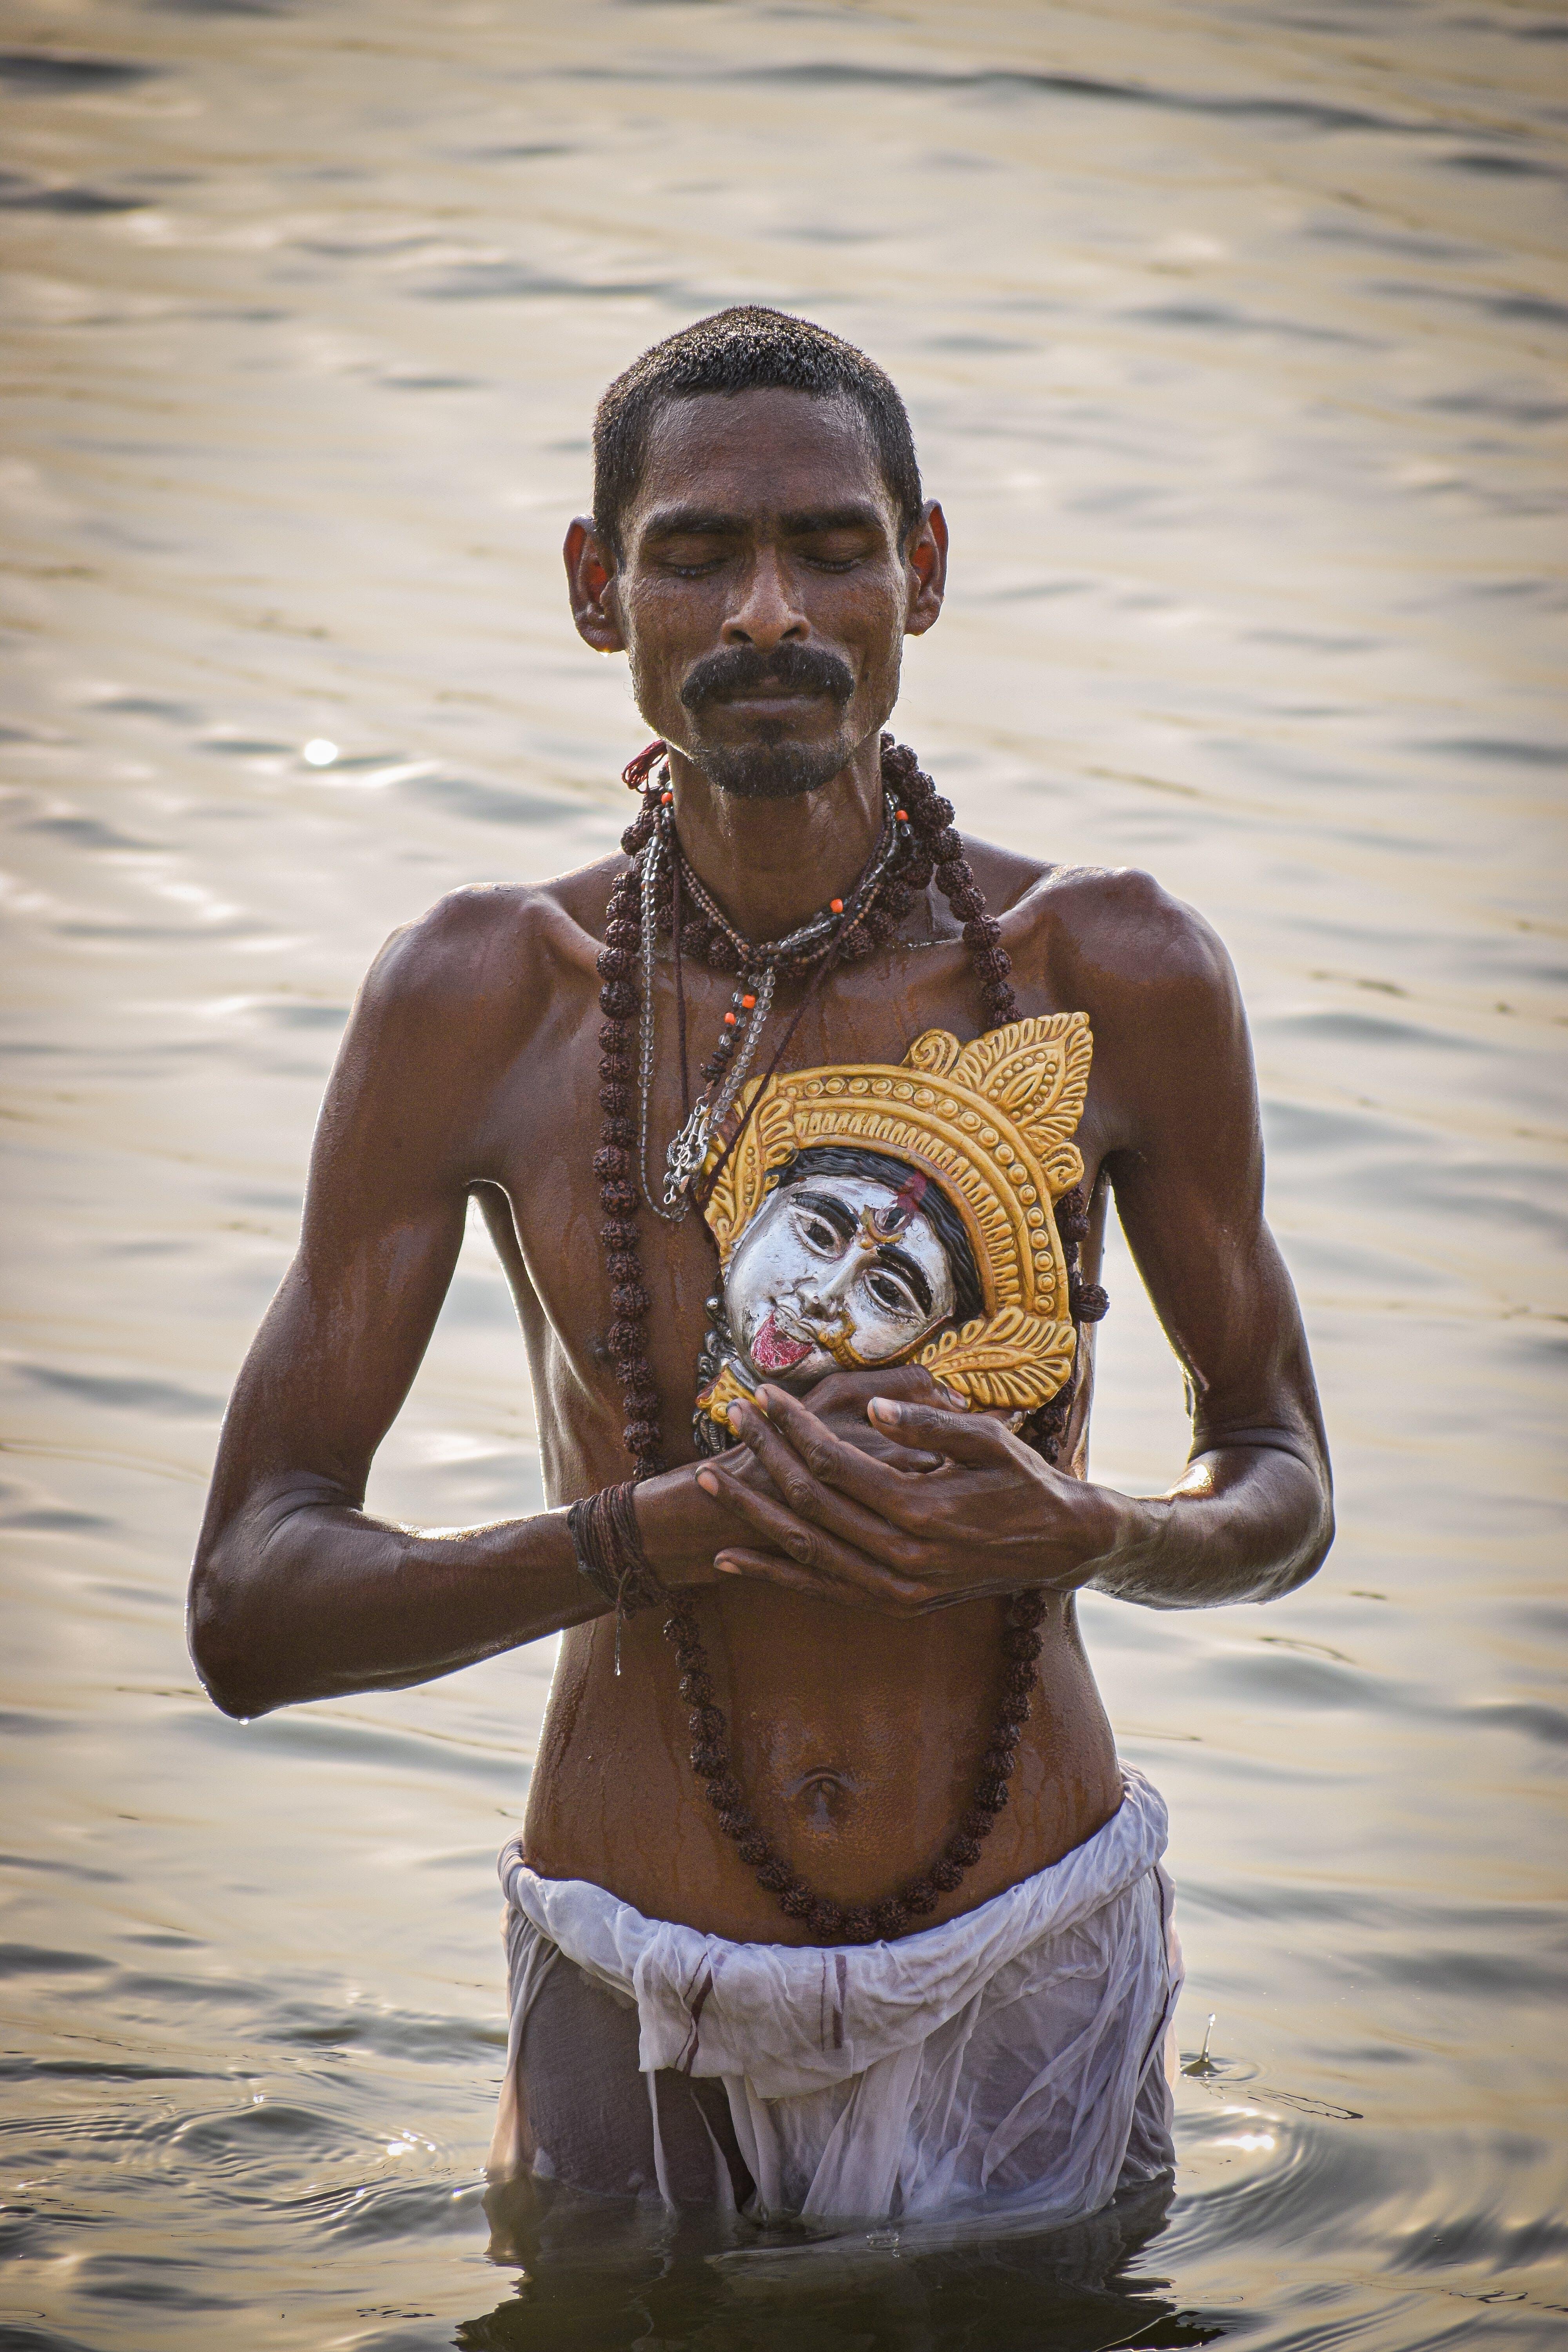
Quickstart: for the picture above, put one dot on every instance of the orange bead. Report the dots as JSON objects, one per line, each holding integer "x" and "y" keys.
{"x": 748, "y": 1002}
{"x": 836, "y": 906}
{"x": 666, "y": 798}
{"x": 728, "y": 1019}
{"x": 902, "y": 816}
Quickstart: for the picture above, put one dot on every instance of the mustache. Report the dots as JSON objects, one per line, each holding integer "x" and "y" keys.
{"x": 742, "y": 669}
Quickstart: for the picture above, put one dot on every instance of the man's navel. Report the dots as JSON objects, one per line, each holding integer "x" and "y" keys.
{"x": 823, "y": 1798}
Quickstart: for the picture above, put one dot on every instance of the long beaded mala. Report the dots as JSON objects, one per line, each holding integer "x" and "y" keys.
{"x": 645, "y": 902}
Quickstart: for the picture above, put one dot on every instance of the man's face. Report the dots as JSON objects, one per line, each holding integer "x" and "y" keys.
{"x": 762, "y": 596}
{"x": 829, "y": 1274}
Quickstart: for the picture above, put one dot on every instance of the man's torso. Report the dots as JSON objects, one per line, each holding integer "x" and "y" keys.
{"x": 855, "y": 1734}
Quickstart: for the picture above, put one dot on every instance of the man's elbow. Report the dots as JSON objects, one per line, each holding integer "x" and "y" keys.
{"x": 222, "y": 1649}
{"x": 1313, "y": 1548}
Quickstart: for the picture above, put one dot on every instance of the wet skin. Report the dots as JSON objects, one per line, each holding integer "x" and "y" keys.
{"x": 850, "y": 1563}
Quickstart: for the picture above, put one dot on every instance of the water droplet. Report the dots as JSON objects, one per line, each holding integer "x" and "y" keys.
{"x": 1202, "y": 2063}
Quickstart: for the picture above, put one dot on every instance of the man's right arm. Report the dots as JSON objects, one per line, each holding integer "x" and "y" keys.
{"x": 297, "y": 1591}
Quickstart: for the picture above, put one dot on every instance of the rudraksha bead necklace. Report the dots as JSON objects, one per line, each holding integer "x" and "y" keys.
{"x": 644, "y": 900}
{"x": 831, "y": 1922}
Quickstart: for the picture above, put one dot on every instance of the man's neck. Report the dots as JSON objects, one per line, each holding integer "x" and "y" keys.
{"x": 772, "y": 864}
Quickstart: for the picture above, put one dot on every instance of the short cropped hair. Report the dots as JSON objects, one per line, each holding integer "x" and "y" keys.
{"x": 748, "y": 349}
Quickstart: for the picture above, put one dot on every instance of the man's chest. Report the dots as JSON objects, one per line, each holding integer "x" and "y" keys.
{"x": 548, "y": 1132}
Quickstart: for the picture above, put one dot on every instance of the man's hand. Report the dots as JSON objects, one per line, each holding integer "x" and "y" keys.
{"x": 682, "y": 1530}
{"x": 948, "y": 1507}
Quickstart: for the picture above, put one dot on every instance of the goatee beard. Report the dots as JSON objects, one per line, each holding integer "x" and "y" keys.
{"x": 772, "y": 768}
{"x": 769, "y": 771}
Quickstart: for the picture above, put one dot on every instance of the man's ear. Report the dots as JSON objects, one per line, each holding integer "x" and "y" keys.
{"x": 925, "y": 564}
{"x": 590, "y": 587}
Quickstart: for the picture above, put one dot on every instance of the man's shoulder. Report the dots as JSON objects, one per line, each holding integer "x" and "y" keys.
{"x": 497, "y": 938}
{"x": 472, "y": 978}
{"x": 1116, "y": 922}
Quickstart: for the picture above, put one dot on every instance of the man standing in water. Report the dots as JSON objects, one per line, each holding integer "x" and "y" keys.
{"x": 891, "y": 1935}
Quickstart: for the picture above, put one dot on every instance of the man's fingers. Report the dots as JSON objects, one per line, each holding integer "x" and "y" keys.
{"x": 971, "y": 1437}
{"x": 838, "y": 1391}
{"x": 818, "y": 1475}
{"x": 877, "y": 1592}
{"x": 786, "y": 1533}
{"x": 819, "y": 1530}
{"x": 798, "y": 1452}
{"x": 817, "y": 1446}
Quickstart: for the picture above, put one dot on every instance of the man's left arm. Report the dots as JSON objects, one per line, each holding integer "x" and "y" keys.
{"x": 1252, "y": 1515}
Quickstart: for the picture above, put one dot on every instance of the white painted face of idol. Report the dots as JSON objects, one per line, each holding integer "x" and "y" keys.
{"x": 813, "y": 1286}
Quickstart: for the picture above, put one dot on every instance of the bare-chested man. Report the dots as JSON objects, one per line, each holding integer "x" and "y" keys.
{"x": 760, "y": 550}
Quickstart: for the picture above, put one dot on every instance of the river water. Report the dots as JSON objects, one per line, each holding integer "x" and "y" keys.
{"x": 1235, "y": 337}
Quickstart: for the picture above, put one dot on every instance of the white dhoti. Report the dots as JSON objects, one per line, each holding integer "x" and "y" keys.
{"x": 1009, "y": 2062}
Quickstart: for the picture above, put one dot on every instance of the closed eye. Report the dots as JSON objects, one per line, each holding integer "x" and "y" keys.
{"x": 840, "y": 553}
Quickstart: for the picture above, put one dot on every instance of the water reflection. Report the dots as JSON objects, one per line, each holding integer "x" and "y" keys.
{"x": 1234, "y": 344}
{"x": 595, "y": 2271}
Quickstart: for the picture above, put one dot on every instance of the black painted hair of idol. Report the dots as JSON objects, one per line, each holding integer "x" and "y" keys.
{"x": 880, "y": 1168}
{"x": 748, "y": 349}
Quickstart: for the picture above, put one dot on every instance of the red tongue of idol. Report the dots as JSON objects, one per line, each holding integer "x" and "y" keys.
{"x": 774, "y": 1351}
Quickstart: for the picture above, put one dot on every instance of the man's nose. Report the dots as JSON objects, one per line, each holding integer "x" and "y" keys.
{"x": 768, "y": 613}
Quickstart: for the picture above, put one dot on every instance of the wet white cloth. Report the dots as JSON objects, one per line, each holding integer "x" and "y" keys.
{"x": 1009, "y": 2060}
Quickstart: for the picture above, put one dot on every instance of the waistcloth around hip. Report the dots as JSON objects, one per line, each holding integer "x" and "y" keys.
{"x": 1009, "y": 2060}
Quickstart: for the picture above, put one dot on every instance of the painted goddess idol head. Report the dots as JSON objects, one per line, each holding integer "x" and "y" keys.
{"x": 881, "y": 1214}
{"x": 853, "y": 1258}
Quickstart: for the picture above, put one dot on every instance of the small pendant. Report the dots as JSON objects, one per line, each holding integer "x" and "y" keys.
{"x": 685, "y": 1157}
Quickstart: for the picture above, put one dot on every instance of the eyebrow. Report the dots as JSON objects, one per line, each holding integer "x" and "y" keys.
{"x": 843, "y": 1221}
{"x": 715, "y": 522}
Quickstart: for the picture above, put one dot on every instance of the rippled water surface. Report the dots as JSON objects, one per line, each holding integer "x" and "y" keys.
{"x": 1235, "y": 338}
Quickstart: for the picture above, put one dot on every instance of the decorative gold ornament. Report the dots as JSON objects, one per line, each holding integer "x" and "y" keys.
{"x": 991, "y": 1123}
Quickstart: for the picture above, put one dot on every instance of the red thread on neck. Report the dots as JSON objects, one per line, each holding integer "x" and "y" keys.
{"x": 636, "y": 772}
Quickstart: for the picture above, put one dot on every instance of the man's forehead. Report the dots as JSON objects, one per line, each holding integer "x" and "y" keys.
{"x": 759, "y": 453}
